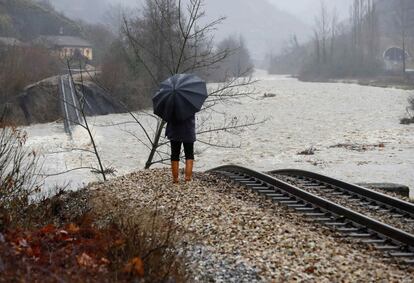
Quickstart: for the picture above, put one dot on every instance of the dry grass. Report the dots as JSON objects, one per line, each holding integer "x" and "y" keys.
{"x": 152, "y": 238}
{"x": 148, "y": 234}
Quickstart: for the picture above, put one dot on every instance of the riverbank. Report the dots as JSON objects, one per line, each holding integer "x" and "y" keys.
{"x": 396, "y": 82}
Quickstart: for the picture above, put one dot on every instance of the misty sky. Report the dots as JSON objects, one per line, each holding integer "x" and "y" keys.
{"x": 304, "y": 9}
{"x": 308, "y": 9}
{"x": 269, "y": 26}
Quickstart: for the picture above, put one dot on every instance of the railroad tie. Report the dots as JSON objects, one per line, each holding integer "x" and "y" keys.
{"x": 336, "y": 224}
{"x": 304, "y": 209}
{"x": 360, "y": 235}
{"x": 374, "y": 241}
{"x": 401, "y": 254}
{"x": 387, "y": 248}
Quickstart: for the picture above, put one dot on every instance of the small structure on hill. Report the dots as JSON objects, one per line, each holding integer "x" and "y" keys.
{"x": 67, "y": 46}
{"x": 394, "y": 57}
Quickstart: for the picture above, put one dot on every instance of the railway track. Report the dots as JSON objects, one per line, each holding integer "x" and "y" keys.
{"x": 298, "y": 190}
{"x": 69, "y": 103}
{"x": 389, "y": 210}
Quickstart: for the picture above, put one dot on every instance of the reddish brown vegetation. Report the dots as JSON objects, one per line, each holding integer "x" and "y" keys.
{"x": 72, "y": 253}
{"x": 91, "y": 240}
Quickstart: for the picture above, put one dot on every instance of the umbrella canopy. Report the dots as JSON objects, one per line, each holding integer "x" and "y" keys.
{"x": 180, "y": 97}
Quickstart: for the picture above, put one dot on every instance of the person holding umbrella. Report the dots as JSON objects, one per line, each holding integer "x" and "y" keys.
{"x": 177, "y": 101}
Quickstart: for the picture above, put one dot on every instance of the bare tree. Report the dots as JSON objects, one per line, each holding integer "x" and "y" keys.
{"x": 179, "y": 43}
{"x": 80, "y": 95}
{"x": 404, "y": 21}
{"x": 372, "y": 31}
{"x": 356, "y": 25}
{"x": 238, "y": 63}
{"x": 323, "y": 30}
{"x": 340, "y": 51}
{"x": 79, "y": 105}
{"x": 364, "y": 34}
{"x": 18, "y": 170}
{"x": 325, "y": 33}
{"x": 334, "y": 31}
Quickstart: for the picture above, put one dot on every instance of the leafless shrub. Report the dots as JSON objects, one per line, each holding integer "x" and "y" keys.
{"x": 410, "y": 110}
{"x": 411, "y": 102}
{"x": 150, "y": 237}
{"x": 238, "y": 62}
{"x": 18, "y": 171}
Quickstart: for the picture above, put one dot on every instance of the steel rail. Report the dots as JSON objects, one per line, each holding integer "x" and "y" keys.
{"x": 396, "y": 235}
{"x": 361, "y": 191}
{"x": 65, "y": 107}
{"x": 75, "y": 100}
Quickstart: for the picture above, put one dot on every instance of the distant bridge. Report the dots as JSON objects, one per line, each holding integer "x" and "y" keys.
{"x": 90, "y": 100}
{"x": 70, "y": 104}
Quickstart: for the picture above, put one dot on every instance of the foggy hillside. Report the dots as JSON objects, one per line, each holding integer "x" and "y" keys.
{"x": 90, "y": 10}
{"x": 255, "y": 20}
{"x": 26, "y": 20}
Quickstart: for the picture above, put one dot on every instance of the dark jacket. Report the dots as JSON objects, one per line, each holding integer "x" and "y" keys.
{"x": 182, "y": 131}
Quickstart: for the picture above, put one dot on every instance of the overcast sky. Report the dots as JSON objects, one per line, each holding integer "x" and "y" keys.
{"x": 307, "y": 10}
{"x": 262, "y": 31}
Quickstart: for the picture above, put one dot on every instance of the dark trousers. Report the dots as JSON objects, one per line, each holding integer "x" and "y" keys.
{"x": 176, "y": 150}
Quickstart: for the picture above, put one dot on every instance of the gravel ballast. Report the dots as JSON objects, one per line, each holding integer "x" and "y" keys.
{"x": 234, "y": 235}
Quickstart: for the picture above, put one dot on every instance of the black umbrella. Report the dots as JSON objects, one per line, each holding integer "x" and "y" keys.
{"x": 180, "y": 97}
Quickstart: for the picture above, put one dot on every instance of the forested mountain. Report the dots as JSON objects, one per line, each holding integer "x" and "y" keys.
{"x": 25, "y": 19}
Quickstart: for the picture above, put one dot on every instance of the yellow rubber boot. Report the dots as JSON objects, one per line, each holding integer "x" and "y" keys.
{"x": 189, "y": 170}
{"x": 175, "y": 166}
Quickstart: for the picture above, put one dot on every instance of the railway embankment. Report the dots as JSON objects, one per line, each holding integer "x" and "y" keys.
{"x": 229, "y": 233}
{"x": 211, "y": 229}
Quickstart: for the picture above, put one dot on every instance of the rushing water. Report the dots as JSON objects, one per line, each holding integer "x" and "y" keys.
{"x": 354, "y": 129}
